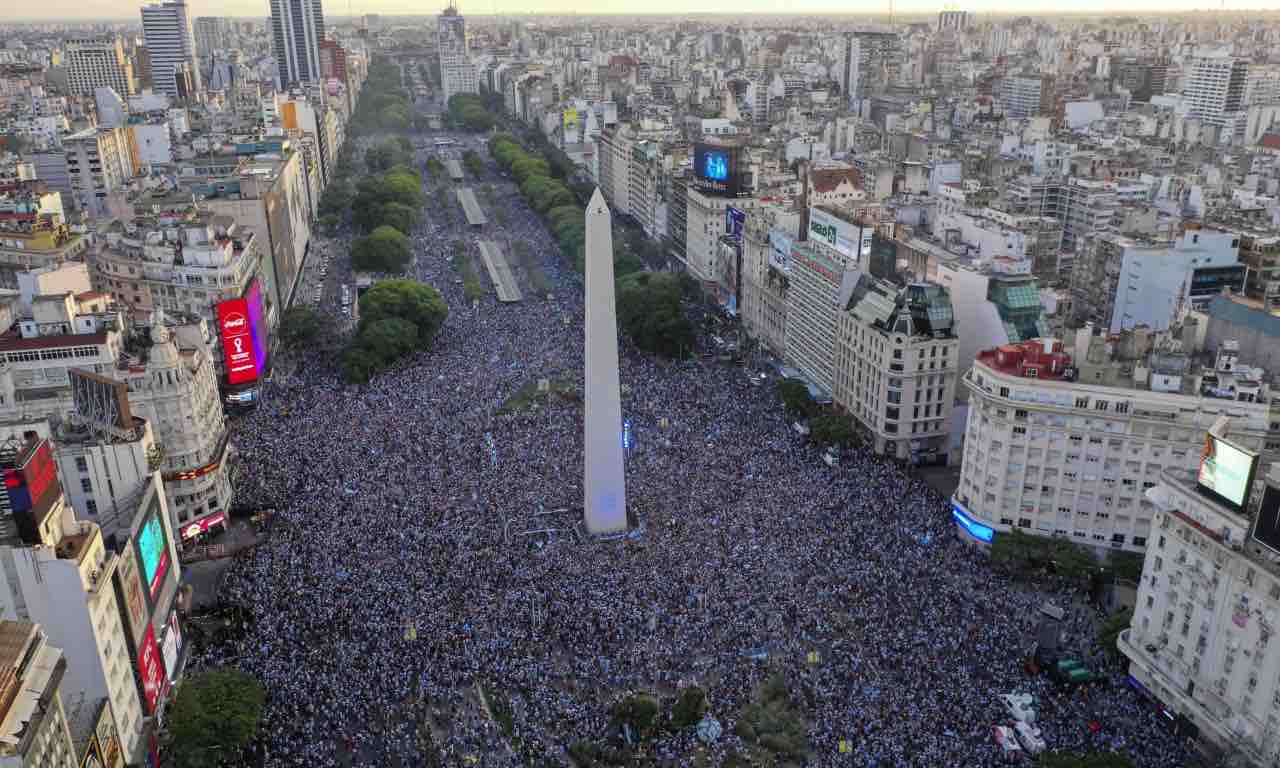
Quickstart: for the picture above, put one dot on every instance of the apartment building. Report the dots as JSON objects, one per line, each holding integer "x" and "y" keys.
{"x": 98, "y": 163}
{"x": 1063, "y": 440}
{"x": 98, "y": 62}
{"x": 1027, "y": 95}
{"x": 1215, "y": 86}
{"x": 895, "y": 365}
{"x": 184, "y": 261}
{"x": 171, "y": 49}
{"x": 1260, "y": 254}
{"x": 1208, "y": 605}
{"x": 813, "y": 296}
{"x": 33, "y": 721}
{"x": 33, "y": 232}
{"x": 704, "y": 217}
{"x": 646, "y": 180}
{"x": 766, "y": 268}
{"x": 1125, "y": 281}
{"x": 615, "y": 149}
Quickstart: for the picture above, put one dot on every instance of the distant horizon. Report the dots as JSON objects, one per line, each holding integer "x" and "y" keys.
{"x": 126, "y": 11}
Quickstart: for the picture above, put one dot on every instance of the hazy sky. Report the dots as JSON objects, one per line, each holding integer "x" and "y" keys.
{"x": 122, "y": 9}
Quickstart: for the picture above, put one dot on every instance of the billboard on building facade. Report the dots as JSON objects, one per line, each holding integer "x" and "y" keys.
{"x": 151, "y": 669}
{"x": 570, "y": 120}
{"x": 257, "y": 329}
{"x": 1226, "y": 472}
{"x": 780, "y": 251}
{"x": 734, "y": 221}
{"x": 169, "y": 646}
{"x": 29, "y": 484}
{"x": 237, "y": 341}
{"x": 849, "y": 240}
{"x": 153, "y": 553}
{"x": 715, "y": 169}
{"x": 1266, "y": 526}
{"x": 134, "y": 602}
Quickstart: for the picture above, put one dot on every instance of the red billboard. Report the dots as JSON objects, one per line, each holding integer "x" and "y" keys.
{"x": 151, "y": 669}
{"x": 237, "y": 341}
{"x": 28, "y": 485}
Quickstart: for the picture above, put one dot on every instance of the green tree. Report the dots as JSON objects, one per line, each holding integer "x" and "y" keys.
{"x": 796, "y": 398}
{"x": 399, "y": 216}
{"x": 384, "y": 249}
{"x": 299, "y": 327}
{"x": 410, "y": 300}
{"x": 213, "y": 717}
{"x": 640, "y": 712}
{"x": 772, "y": 721}
{"x": 689, "y": 708}
{"x": 524, "y": 167}
{"x": 649, "y": 313}
{"x": 1109, "y": 632}
{"x": 473, "y": 162}
{"x": 435, "y": 167}
{"x": 388, "y": 339}
{"x": 831, "y": 429}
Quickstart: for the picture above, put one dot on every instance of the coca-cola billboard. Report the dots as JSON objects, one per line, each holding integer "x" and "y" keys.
{"x": 237, "y": 342}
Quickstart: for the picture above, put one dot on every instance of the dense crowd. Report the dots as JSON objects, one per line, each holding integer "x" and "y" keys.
{"x": 426, "y": 560}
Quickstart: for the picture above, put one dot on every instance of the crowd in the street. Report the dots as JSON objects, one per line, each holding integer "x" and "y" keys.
{"x": 426, "y": 551}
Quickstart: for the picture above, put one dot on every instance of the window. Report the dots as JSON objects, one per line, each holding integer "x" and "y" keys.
{"x": 1139, "y": 541}
{"x": 81, "y": 464}
{"x": 1024, "y": 522}
{"x": 91, "y": 507}
{"x": 86, "y": 485}
{"x": 1082, "y": 402}
{"x": 1004, "y": 391}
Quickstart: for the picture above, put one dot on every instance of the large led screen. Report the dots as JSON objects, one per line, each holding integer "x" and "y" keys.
{"x": 237, "y": 341}
{"x": 1226, "y": 472}
{"x": 257, "y": 329}
{"x": 153, "y": 551}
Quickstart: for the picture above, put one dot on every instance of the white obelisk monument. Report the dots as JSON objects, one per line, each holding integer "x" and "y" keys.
{"x": 605, "y": 505}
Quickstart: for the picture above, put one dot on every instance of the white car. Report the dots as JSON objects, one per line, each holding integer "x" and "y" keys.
{"x": 1018, "y": 707}
{"x": 1029, "y": 737}
{"x": 1008, "y": 743}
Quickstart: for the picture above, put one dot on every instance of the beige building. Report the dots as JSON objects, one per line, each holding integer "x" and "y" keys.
{"x": 184, "y": 261}
{"x": 98, "y": 163}
{"x": 98, "y": 62}
{"x": 1064, "y": 439}
{"x": 766, "y": 264}
{"x": 33, "y": 723}
{"x": 896, "y": 365}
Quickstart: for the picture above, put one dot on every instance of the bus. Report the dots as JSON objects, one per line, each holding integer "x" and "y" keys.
{"x": 441, "y": 143}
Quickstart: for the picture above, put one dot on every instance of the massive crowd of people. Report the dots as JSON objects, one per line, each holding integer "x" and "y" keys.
{"x": 426, "y": 567}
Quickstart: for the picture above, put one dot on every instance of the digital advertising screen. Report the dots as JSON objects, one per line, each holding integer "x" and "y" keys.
{"x": 28, "y": 485}
{"x": 1226, "y": 472}
{"x": 153, "y": 552}
{"x": 1266, "y": 527}
{"x": 169, "y": 647}
{"x": 237, "y": 341}
{"x": 151, "y": 669}
{"x": 257, "y": 329}
{"x": 734, "y": 220}
{"x": 714, "y": 169}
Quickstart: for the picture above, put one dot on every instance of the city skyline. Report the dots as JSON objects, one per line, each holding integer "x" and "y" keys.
{"x": 126, "y": 10}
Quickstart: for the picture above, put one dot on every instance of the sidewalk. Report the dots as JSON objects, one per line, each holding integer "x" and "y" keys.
{"x": 205, "y": 577}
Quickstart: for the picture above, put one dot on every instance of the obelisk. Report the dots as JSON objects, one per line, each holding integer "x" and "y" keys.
{"x": 605, "y": 488}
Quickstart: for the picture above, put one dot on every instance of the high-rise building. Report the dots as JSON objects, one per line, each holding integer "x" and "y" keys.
{"x": 1215, "y": 87}
{"x": 213, "y": 34}
{"x": 297, "y": 28}
{"x": 33, "y": 721}
{"x": 457, "y": 72}
{"x": 166, "y": 27}
{"x": 97, "y": 62}
{"x": 1027, "y": 95}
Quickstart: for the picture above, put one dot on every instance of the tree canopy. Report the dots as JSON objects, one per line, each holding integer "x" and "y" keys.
{"x": 300, "y": 326}
{"x": 383, "y": 105}
{"x": 796, "y": 398}
{"x": 1109, "y": 632}
{"x": 400, "y": 185}
{"x": 397, "y": 317}
{"x": 649, "y": 313}
{"x": 469, "y": 111}
{"x": 1025, "y": 555}
{"x": 831, "y": 429}
{"x": 385, "y": 249}
{"x": 213, "y": 717}
{"x": 392, "y": 152}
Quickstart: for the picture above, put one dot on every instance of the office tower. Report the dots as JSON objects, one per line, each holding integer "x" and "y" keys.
{"x": 96, "y": 62}
{"x": 605, "y": 505}
{"x": 1215, "y": 87}
{"x": 213, "y": 34}
{"x": 167, "y": 31}
{"x": 457, "y": 73}
{"x": 297, "y": 27}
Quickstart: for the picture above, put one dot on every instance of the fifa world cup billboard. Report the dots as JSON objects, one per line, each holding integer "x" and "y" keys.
{"x": 237, "y": 341}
